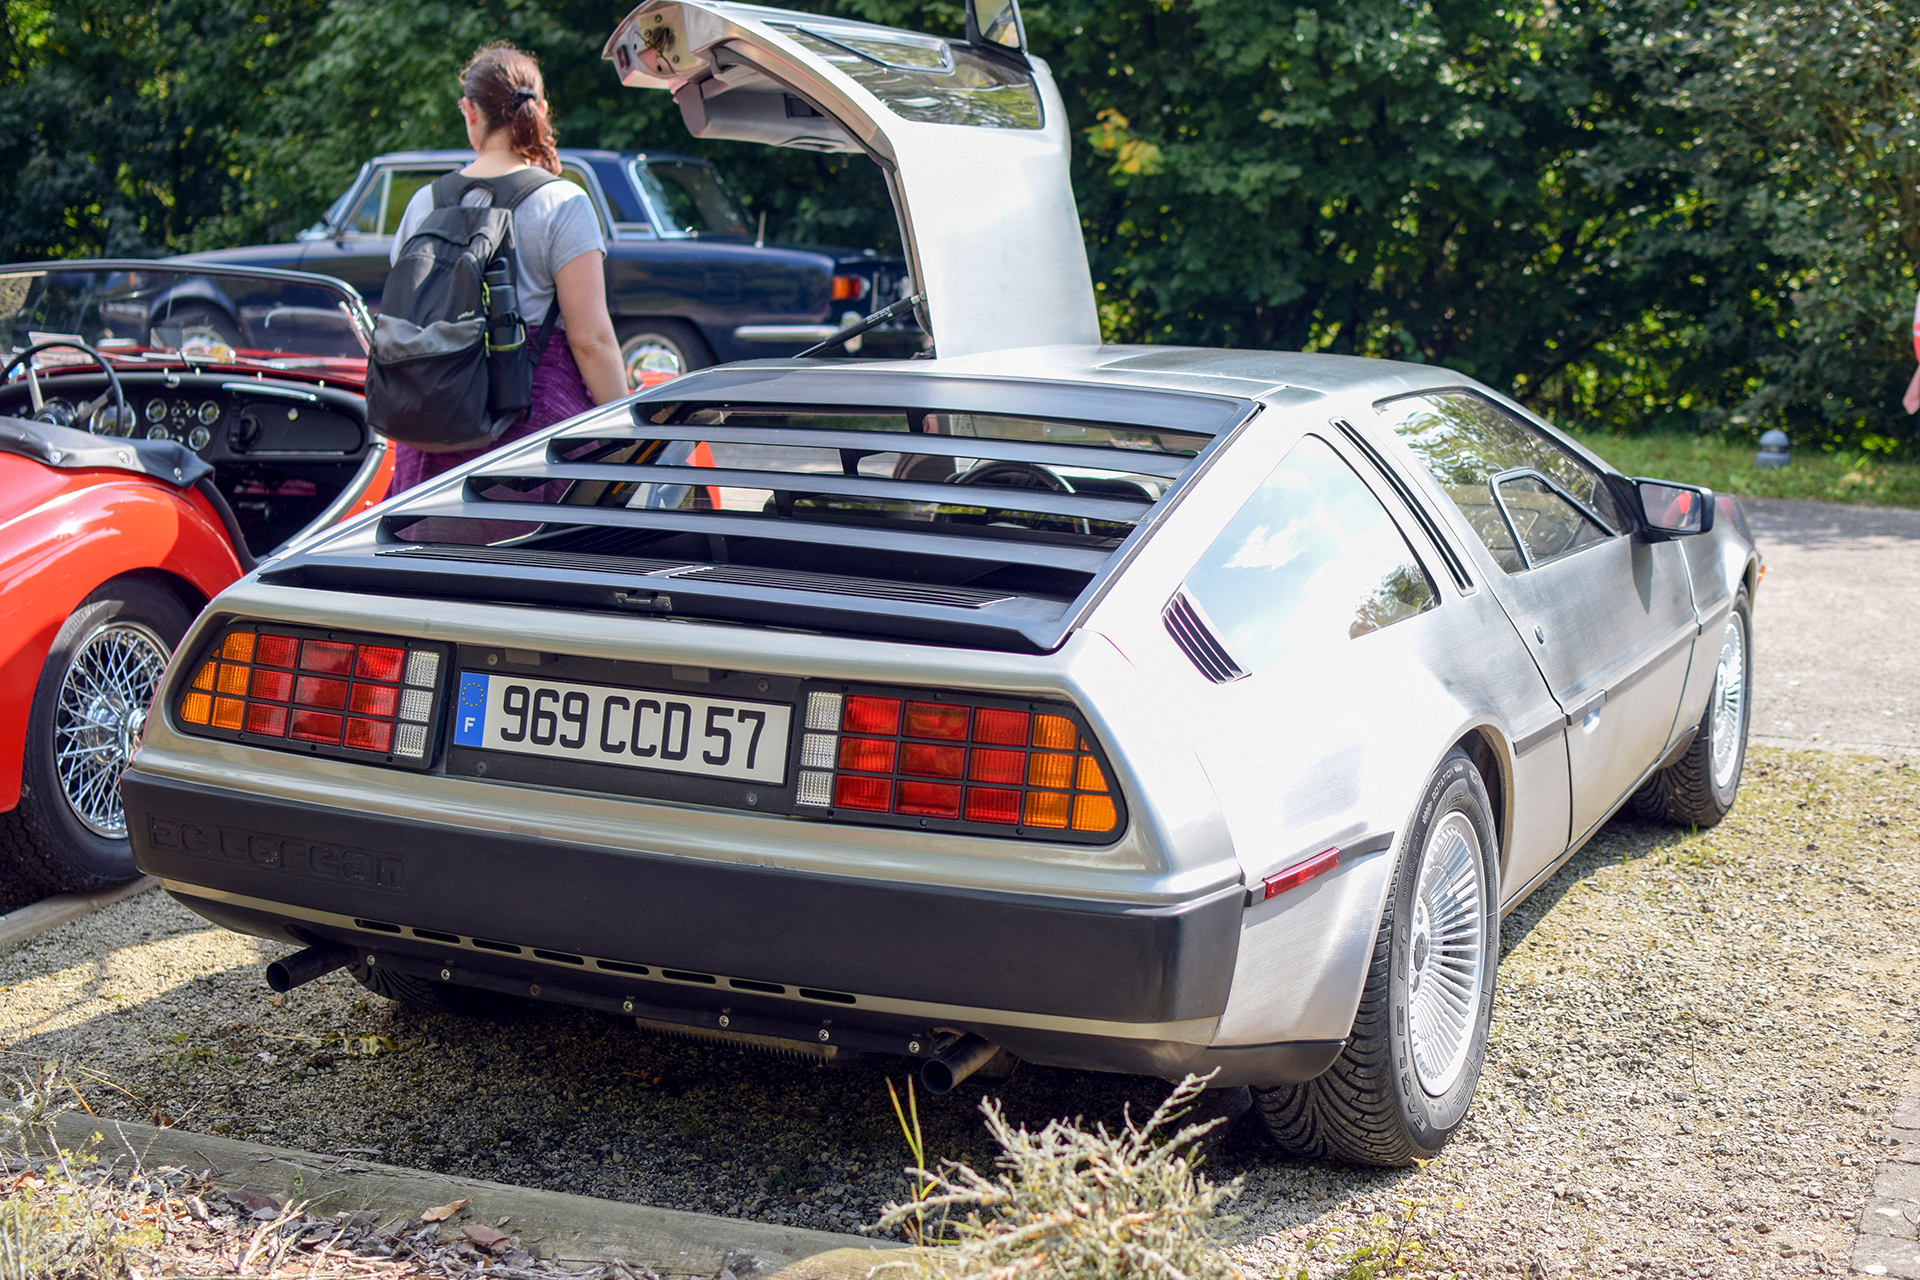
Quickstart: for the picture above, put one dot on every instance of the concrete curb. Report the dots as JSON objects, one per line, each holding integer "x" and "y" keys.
{"x": 566, "y": 1227}
{"x": 36, "y": 918}
{"x": 1889, "y": 1240}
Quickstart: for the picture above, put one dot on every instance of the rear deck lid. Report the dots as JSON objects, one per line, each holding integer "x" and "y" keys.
{"x": 971, "y": 134}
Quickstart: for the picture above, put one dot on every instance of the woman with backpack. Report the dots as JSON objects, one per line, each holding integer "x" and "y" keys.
{"x": 558, "y": 248}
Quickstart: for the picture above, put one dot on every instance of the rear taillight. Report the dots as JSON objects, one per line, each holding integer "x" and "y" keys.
{"x": 1027, "y": 771}
{"x": 353, "y": 696}
{"x": 849, "y": 288}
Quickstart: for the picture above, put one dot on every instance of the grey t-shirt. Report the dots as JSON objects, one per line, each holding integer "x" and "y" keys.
{"x": 551, "y": 228}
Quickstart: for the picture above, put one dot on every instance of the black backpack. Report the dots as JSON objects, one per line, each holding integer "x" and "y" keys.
{"x": 451, "y": 367}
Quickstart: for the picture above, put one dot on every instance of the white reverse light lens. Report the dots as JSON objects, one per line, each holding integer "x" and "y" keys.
{"x": 816, "y": 789}
{"x": 410, "y": 740}
{"x": 423, "y": 667}
{"x": 415, "y": 703}
{"x": 823, "y": 711}
{"x": 816, "y": 750}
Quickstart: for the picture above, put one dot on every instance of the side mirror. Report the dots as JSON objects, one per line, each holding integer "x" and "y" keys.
{"x": 996, "y": 23}
{"x": 1674, "y": 510}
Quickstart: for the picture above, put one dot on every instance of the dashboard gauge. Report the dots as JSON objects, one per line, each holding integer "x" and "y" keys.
{"x": 159, "y": 432}
{"x": 107, "y": 421}
{"x": 199, "y": 438}
{"x": 156, "y": 411}
{"x": 210, "y": 411}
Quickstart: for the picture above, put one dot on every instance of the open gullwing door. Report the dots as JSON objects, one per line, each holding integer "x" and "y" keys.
{"x": 971, "y": 135}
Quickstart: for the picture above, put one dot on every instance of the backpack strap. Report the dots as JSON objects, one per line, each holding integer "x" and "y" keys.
{"x": 544, "y": 334}
{"x": 508, "y": 190}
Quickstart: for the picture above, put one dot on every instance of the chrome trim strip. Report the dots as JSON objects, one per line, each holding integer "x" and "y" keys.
{"x": 785, "y": 332}
{"x": 263, "y": 389}
{"x": 1192, "y": 1031}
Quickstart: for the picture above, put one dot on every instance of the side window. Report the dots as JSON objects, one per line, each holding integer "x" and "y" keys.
{"x": 1311, "y": 559}
{"x": 1466, "y": 441}
{"x": 1549, "y": 526}
{"x": 578, "y": 177}
{"x": 366, "y": 219}
{"x": 401, "y": 186}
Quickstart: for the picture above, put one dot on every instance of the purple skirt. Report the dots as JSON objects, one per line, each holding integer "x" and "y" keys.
{"x": 559, "y": 393}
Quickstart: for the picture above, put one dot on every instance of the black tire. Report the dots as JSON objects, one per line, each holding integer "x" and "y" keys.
{"x": 674, "y": 338}
{"x": 1686, "y": 793}
{"x": 55, "y": 839}
{"x": 432, "y": 997}
{"x": 1372, "y": 1106}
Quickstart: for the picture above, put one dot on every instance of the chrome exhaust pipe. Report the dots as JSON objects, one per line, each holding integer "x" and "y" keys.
{"x": 288, "y": 972}
{"x": 955, "y": 1063}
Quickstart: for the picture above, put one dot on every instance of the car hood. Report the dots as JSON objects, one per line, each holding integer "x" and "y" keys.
{"x": 972, "y": 138}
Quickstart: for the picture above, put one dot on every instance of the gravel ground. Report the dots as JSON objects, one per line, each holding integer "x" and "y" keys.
{"x": 1696, "y": 1044}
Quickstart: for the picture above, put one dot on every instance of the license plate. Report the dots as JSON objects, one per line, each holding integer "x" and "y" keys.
{"x": 637, "y": 728}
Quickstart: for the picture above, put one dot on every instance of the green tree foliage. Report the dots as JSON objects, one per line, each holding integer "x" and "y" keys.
{"x": 1635, "y": 213}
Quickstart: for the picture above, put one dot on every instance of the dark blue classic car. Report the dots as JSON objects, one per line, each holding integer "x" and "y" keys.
{"x": 689, "y": 281}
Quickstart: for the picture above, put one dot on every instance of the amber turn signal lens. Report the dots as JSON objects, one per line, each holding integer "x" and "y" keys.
{"x": 1047, "y": 808}
{"x": 1056, "y": 732}
{"x": 196, "y": 707}
{"x": 238, "y": 647}
{"x": 203, "y": 678}
{"x": 848, "y": 288}
{"x": 1093, "y": 813}
{"x": 1089, "y": 776}
{"x": 229, "y": 713}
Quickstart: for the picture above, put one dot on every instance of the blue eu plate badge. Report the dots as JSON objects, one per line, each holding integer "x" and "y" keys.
{"x": 470, "y": 718}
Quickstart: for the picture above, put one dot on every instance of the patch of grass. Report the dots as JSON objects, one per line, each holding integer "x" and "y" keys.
{"x": 1074, "y": 1204}
{"x": 1726, "y": 466}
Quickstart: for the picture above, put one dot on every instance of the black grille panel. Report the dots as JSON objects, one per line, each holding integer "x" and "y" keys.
{"x": 1196, "y": 639}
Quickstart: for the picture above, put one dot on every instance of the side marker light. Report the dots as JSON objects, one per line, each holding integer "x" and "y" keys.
{"x": 1299, "y": 873}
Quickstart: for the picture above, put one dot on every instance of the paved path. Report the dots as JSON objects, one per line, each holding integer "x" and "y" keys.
{"x": 1836, "y": 663}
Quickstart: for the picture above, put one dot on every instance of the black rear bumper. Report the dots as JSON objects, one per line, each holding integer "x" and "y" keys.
{"x": 612, "y": 913}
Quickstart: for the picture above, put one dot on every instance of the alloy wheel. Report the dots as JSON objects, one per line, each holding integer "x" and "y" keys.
{"x": 1446, "y": 953}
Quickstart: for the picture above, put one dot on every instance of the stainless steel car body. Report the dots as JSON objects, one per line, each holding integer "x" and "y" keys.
{"x": 1568, "y": 681}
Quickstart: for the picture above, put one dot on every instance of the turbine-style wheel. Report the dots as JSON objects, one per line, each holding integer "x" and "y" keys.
{"x": 1401, "y": 1086}
{"x": 1699, "y": 788}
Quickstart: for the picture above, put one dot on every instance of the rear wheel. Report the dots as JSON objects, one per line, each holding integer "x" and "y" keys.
{"x": 661, "y": 346}
{"x": 1699, "y": 788}
{"x": 69, "y": 833}
{"x": 1401, "y": 1086}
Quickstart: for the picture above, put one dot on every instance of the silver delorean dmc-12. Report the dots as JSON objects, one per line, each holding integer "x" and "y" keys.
{"x": 1137, "y": 709}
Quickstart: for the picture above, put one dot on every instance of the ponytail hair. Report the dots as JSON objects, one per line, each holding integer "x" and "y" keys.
{"x": 504, "y": 83}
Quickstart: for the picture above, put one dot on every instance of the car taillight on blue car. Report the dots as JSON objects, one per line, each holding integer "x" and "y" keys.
{"x": 361, "y": 698}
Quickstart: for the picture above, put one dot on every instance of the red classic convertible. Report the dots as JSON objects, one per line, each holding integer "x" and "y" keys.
{"x": 161, "y": 428}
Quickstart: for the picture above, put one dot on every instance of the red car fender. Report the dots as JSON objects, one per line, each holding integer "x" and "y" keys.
{"x": 65, "y": 533}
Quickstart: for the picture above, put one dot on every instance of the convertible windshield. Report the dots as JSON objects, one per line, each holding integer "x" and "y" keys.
{"x": 136, "y": 311}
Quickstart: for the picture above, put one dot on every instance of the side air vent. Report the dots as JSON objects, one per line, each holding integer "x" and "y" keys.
{"x": 1190, "y": 631}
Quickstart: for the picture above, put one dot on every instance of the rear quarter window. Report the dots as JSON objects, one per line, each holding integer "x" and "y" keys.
{"x": 1311, "y": 560}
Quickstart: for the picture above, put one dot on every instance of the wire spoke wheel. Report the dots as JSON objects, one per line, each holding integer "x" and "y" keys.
{"x": 1729, "y": 704}
{"x": 1446, "y": 952}
{"x": 99, "y": 713}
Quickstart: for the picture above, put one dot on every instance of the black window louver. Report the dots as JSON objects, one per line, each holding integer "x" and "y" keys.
{"x": 1196, "y": 639}
{"x": 817, "y": 500}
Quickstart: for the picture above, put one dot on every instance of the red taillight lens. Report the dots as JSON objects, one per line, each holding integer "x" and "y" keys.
{"x": 849, "y": 288}
{"x": 869, "y": 755}
{"x": 316, "y": 726}
{"x": 312, "y": 691}
{"x": 874, "y": 795}
{"x": 376, "y": 662}
{"x": 999, "y": 727}
{"x": 929, "y": 799}
{"x": 872, "y": 715}
{"x": 268, "y": 720}
{"x": 327, "y": 657}
{"x": 374, "y": 698}
{"x": 991, "y": 804}
{"x": 925, "y": 760}
{"x": 277, "y": 651}
{"x": 1033, "y": 771}
{"x": 937, "y": 720}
